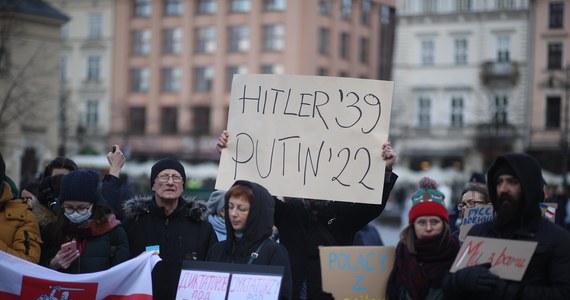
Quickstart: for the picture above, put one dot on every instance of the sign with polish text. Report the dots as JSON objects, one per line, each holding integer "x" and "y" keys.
{"x": 312, "y": 137}
{"x": 509, "y": 258}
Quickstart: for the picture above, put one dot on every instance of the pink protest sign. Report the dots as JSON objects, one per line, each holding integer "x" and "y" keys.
{"x": 509, "y": 258}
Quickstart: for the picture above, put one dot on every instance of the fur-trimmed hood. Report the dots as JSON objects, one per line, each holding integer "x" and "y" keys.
{"x": 192, "y": 209}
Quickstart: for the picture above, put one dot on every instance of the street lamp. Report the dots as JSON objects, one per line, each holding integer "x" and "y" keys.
{"x": 565, "y": 84}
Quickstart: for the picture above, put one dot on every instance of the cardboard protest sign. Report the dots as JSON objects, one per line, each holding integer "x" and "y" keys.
{"x": 548, "y": 210}
{"x": 308, "y": 136}
{"x": 509, "y": 258}
{"x": 475, "y": 215}
{"x": 214, "y": 280}
{"x": 356, "y": 272}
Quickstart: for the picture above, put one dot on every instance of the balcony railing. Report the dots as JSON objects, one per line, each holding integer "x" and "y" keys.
{"x": 499, "y": 73}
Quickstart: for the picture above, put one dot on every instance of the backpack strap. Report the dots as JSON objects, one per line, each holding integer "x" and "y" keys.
{"x": 113, "y": 245}
{"x": 255, "y": 253}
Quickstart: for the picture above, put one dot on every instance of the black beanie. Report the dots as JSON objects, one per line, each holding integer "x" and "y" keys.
{"x": 167, "y": 163}
{"x": 80, "y": 185}
{"x": 504, "y": 169}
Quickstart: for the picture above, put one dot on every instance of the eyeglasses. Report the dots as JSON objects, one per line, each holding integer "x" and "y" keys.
{"x": 469, "y": 204}
{"x": 166, "y": 177}
{"x": 80, "y": 210}
{"x": 424, "y": 223}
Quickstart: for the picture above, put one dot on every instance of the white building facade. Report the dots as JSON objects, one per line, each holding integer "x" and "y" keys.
{"x": 461, "y": 83}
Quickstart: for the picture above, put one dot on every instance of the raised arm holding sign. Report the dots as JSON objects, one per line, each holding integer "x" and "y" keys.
{"x": 320, "y": 138}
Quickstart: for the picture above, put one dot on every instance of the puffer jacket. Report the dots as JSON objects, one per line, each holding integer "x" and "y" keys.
{"x": 19, "y": 230}
{"x": 185, "y": 234}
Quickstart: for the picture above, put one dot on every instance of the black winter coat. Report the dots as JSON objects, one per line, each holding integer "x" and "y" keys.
{"x": 257, "y": 230}
{"x": 302, "y": 232}
{"x": 183, "y": 235}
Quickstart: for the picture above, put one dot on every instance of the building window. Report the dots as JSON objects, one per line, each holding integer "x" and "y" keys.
{"x": 325, "y": 7}
{"x": 275, "y": 5}
{"x": 139, "y": 80}
{"x": 206, "y": 39}
{"x": 273, "y": 37}
{"x": 500, "y": 110}
{"x": 463, "y": 5}
{"x": 427, "y": 52}
{"x": 555, "y": 56}
{"x": 505, "y": 4}
{"x": 345, "y": 9}
{"x": 556, "y": 15}
{"x": 203, "y": 77}
{"x": 137, "y": 120}
{"x": 169, "y": 120}
{"x": 92, "y": 114}
{"x": 324, "y": 36}
{"x": 365, "y": 11}
{"x": 230, "y": 71}
{"x": 93, "y": 67}
{"x": 63, "y": 68}
{"x": 142, "y": 8}
{"x": 364, "y": 46}
{"x": 321, "y": 71}
{"x": 343, "y": 74}
{"x": 239, "y": 38}
{"x": 424, "y": 112}
{"x": 344, "y": 45}
{"x": 460, "y": 51}
{"x": 553, "y": 112}
{"x": 141, "y": 41}
{"x": 240, "y": 5}
{"x": 457, "y": 112}
{"x": 385, "y": 15}
{"x": 429, "y": 6}
{"x": 171, "y": 40}
{"x": 64, "y": 32}
{"x": 201, "y": 120}
{"x": 95, "y": 21}
{"x": 503, "y": 48}
{"x": 272, "y": 69}
{"x": 207, "y": 6}
{"x": 173, "y": 7}
{"x": 170, "y": 79}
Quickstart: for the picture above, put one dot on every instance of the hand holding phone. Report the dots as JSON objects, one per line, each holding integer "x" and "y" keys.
{"x": 69, "y": 246}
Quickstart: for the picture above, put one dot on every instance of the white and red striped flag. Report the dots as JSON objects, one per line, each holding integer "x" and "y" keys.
{"x": 130, "y": 280}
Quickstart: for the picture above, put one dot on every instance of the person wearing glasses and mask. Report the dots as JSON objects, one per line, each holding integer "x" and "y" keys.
{"x": 86, "y": 237}
{"x": 426, "y": 249}
{"x": 169, "y": 223}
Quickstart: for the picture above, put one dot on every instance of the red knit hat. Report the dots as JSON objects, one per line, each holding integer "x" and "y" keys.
{"x": 428, "y": 201}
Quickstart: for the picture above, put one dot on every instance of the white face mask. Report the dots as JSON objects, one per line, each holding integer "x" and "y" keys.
{"x": 77, "y": 218}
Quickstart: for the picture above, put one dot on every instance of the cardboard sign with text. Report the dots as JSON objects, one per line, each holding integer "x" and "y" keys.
{"x": 509, "y": 258}
{"x": 308, "y": 136}
{"x": 475, "y": 215}
{"x": 215, "y": 280}
{"x": 356, "y": 272}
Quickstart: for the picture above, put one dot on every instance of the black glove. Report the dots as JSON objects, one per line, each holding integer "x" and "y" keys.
{"x": 476, "y": 278}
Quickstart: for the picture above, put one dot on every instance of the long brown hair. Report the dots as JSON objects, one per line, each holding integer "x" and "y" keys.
{"x": 408, "y": 236}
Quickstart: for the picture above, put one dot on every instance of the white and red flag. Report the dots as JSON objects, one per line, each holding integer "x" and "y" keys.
{"x": 130, "y": 280}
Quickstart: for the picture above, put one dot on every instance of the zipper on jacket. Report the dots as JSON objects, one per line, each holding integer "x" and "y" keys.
{"x": 27, "y": 242}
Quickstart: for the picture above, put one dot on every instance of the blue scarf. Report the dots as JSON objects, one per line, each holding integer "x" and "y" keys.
{"x": 219, "y": 226}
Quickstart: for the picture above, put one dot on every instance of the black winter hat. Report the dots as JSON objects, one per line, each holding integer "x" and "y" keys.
{"x": 167, "y": 163}
{"x": 80, "y": 185}
{"x": 504, "y": 169}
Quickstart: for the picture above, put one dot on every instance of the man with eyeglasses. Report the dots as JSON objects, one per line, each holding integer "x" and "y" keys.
{"x": 515, "y": 190}
{"x": 169, "y": 223}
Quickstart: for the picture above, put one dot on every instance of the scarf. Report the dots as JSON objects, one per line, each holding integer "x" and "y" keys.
{"x": 416, "y": 274}
{"x": 219, "y": 226}
{"x": 90, "y": 228}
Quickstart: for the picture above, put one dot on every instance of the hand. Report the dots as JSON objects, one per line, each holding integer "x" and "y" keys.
{"x": 116, "y": 160}
{"x": 222, "y": 141}
{"x": 477, "y": 278}
{"x": 389, "y": 155}
{"x": 63, "y": 258}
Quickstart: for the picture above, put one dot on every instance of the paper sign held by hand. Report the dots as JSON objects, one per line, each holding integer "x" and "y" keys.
{"x": 475, "y": 215}
{"x": 312, "y": 137}
{"x": 356, "y": 272}
{"x": 509, "y": 258}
